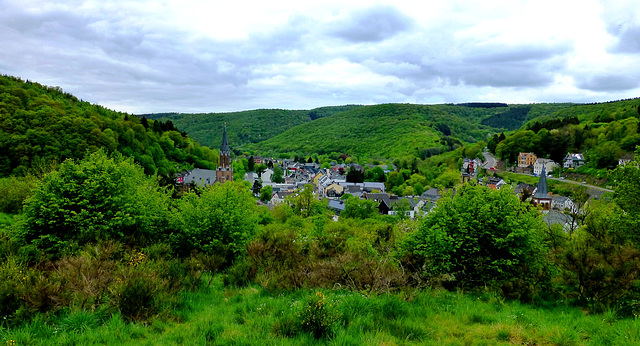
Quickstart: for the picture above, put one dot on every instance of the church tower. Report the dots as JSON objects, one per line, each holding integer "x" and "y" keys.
{"x": 225, "y": 171}
{"x": 542, "y": 196}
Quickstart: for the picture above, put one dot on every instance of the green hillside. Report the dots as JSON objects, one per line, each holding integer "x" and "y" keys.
{"x": 395, "y": 130}
{"x": 41, "y": 126}
{"x": 604, "y": 132}
{"x": 244, "y": 127}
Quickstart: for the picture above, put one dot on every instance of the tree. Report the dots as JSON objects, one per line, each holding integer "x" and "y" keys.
{"x": 355, "y": 175}
{"x": 304, "y": 202}
{"x": 219, "y": 221}
{"x": 257, "y": 186}
{"x": 266, "y": 193}
{"x": 251, "y": 164}
{"x": 357, "y": 208}
{"x": 260, "y": 169}
{"x": 480, "y": 238}
{"x": 98, "y": 198}
{"x": 276, "y": 177}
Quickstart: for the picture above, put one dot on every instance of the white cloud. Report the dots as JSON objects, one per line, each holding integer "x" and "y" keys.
{"x": 200, "y": 55}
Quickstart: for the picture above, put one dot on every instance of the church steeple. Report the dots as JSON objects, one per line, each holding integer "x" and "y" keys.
{"x": 224, "y": 171}
{"x": 224, "y": 148}
{"x": 542, "y": 196}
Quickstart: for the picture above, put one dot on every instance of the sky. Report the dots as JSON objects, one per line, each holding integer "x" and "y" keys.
{"x": 190, "y": 56}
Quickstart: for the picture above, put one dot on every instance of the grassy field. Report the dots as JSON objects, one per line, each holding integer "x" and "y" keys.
{"x": 249, "y": 316}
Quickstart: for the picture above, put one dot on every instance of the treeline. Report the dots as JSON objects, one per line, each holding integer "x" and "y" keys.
{"x": 42, "y": 126}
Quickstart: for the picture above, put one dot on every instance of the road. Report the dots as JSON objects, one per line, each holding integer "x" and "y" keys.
{"x": 489, "y": 160}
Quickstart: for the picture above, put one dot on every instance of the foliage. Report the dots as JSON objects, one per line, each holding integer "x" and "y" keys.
{"x": 266, "y": 193}
{"x": 481, "y": 238}
{"x": 14, "y": 191}
{"x": 41, "y": 126}
{"x": 276, "y": 177}
{"x": 359, "y": 208}
{"x": 318, "y": 317}
{"x": 218, "y": 221}
{"x": 97, "y": 198}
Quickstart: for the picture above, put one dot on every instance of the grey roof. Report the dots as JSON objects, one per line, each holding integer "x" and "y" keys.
{"x": 336, "y": 205}
{"x": 201, "y": 177}
{"x": 542, "y": 192}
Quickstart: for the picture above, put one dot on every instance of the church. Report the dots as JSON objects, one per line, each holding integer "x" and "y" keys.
{"x": 206, "y": 177}
{"x": 225, "y": 171}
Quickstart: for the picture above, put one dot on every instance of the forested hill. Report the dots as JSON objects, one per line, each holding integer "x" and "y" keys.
{"x": 41, "y": 126}
{"x": 244, "y": 127}
{"x": 388, "y": 130}
{"x": 603, "y": 132}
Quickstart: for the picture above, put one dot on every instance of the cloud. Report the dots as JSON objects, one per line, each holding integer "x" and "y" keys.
{"x": 609, "y": 82}
{"x": 373, "y": 24}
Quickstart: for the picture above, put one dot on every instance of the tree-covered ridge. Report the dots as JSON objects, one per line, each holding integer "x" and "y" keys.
{"x": 386, "y": 131}
{"x": 604, "y": 132}
{"x": 40, "y": 126}
{"x": 246, "y": 126}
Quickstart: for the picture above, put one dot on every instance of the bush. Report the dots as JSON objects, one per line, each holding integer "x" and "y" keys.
{"x": 318, "y": 317}
{"x": 480, "y": 238}
{"x": 98, "y": 198}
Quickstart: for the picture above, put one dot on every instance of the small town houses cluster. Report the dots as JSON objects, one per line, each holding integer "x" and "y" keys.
{"x": 331, "y": 183}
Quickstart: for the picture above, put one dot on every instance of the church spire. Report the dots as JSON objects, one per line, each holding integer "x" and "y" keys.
{"x": 224, "y": 148}
{"x": 542, "y": 191}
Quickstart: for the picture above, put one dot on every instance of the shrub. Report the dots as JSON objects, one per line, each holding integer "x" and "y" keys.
{"x": 318, "y": 317}
{"x": 480, "y": 238}
{"x": 98, "y": 198}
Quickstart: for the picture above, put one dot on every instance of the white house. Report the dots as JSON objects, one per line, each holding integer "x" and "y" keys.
{"x": 573, "y": 160}
{"x": 548, "y": 164}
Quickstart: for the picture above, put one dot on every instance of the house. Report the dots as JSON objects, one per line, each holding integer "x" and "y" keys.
{"x": 334, "y": 190}
{"x": 526, "y": 159}
{"x": 548, "y": 165}
{"x": 432, "y": 195}
{"x": 383, "y": 199}
{"x": 562, "y": 203}
{"x": 626, "y": 158}
{"x": 495, "y": 183}
{"x": 573, "y": 161}
{"x": 542, "y": 197}
{"x": 524, "y": 189}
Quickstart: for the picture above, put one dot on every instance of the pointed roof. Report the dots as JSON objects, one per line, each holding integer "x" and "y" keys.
{"x": 224, "y": 148}
{"x": 542, "y": 192}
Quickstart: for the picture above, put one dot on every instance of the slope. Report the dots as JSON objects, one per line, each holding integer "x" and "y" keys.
{"x": 40, "y": 126}
{"x": 244, "y": 127}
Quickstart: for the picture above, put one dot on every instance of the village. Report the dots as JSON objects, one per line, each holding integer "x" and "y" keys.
{"x": 330, "y": 182}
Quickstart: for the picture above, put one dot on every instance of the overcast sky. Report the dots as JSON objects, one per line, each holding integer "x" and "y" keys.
{"x": 213, "y": 56}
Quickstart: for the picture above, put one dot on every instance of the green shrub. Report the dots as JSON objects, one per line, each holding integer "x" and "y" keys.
{"x": 98, "y": 198}
{"x": 318, "y": 316}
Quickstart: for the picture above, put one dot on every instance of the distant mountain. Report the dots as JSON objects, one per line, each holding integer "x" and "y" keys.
{"x": 41, "y": 125}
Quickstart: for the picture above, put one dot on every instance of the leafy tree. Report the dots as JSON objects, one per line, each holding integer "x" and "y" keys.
{"x": 357, "y": 208}
{"x": 219, "y": 221}
{"x": 480, "y": 238}
{"x": 304, "y": 202}
{"x": 266, "y": 193}
{"x": 98, "y": 198}
{"x": 355, "y": 175}
{"x": 260, "y": 169}
{"x": 276, "y": 177}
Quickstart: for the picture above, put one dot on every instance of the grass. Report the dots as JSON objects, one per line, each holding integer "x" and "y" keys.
{"x": 247, "y": 316}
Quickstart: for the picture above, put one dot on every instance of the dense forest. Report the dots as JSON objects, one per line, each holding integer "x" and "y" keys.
{"x": 42, "y": 126}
